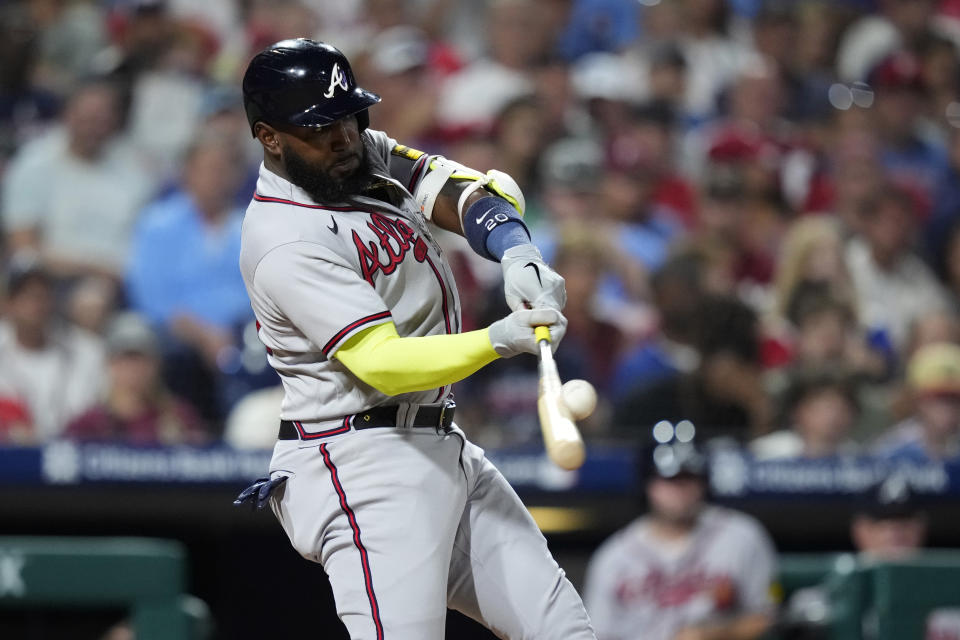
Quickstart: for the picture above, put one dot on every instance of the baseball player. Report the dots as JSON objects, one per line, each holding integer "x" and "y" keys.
{"x": 686, "y": 570}
{"x": 359, "y": 312}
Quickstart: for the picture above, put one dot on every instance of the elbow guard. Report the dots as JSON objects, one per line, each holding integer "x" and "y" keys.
{"x": 442, "y": 170}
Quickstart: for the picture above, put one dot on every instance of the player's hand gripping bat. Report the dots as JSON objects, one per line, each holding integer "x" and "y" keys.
{"x": 560, "y": 434}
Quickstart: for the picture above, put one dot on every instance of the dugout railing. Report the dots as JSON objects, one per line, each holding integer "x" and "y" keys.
{"x": 881, "y": 600}
{"x": 144, "y": 576}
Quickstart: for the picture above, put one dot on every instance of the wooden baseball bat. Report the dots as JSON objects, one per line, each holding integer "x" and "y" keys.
{"x": 560, "y": 434}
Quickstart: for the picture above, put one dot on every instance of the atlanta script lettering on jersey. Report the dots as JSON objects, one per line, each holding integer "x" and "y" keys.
{"x": 677, "y": 590}
{"x": 395, "y": 238}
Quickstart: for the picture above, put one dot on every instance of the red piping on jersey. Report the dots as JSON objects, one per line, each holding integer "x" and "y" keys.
{"x": 353, "y": 325}
{"x": 262, "y": 198}
{"x": 364, "y": 559}
{"x": 305, "y": 435}
{"x": 269, "y": 350}
{"x": 443, "y": 289}
{"x": 416, "y": 172}
{"x": 446, "y": 314}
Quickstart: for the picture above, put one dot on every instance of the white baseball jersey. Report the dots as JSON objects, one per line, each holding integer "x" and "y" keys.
{"x": 405, "y": 521}
{"x": 640, "y": 589}
{"x": 318, "y": 274}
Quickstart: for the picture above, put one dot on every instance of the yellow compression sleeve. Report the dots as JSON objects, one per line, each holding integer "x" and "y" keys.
{"x": 394, "y": 365}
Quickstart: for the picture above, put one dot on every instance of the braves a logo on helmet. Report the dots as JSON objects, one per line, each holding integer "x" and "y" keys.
{"x": 337, "y": 79}
{"x": 395, "y": 239}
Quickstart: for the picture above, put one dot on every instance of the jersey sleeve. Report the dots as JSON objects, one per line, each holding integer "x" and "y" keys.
{"x": 758, "y": 570}
{"x": 405, "y": 165}
{"x": 326, "y": 300}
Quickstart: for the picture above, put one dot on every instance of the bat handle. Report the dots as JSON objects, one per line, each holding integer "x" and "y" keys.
{"x": 542, "y": 333}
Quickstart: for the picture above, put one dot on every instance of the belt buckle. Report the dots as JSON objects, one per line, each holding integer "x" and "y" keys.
{"x": 448, "y": 404}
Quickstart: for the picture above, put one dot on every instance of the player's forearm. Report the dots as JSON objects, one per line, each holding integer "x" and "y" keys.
{"x": 395, "y": 365}
{"x": 446, "y": 215}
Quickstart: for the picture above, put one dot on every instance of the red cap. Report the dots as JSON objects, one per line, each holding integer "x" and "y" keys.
{"x": 899, "y": 70}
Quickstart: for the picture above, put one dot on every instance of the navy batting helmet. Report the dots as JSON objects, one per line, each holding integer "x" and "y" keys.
{"x": 304, "y": 83}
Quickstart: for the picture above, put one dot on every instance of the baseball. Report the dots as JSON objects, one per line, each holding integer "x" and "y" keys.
{"x": 580, "y": 398}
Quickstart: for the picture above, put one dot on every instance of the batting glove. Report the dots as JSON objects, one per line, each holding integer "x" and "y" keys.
{"x": 514, "y": 334}
{"x": 529, "y": 282}
{"x": 258, "y": 494}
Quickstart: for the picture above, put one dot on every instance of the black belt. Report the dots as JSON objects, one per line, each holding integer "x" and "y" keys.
{"x": 439, "y": 418}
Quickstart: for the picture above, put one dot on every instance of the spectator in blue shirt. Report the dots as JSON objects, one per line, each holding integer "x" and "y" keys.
{"x": 911, "y": 156}
{"x": 670, "y": 352}
{"x": 183, "y": 272}
{"x": 599, "y": 25}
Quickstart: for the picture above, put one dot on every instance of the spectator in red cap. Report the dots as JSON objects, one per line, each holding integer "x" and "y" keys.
{"x": 909, "y": 154}
{"x": 740, "y": 222}
{"x": 898, "y": 24}
{"x": 752, "y": 132}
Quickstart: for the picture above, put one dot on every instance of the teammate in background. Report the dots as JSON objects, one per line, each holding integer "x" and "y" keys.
{"x": 360, "y": 316}
{"x": 888, "y": 525}
{"x": 686, "y": 570}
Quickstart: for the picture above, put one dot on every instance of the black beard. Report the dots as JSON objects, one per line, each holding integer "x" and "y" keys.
{"x": 320, "y": 185}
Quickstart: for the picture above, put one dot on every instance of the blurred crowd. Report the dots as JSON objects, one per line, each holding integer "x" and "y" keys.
{"x": 755, "y": 205}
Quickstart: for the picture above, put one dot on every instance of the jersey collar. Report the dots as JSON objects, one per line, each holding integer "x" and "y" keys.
{"x": 271, "y": 185}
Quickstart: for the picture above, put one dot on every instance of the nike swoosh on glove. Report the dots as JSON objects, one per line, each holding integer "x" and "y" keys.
{"x": 528, "y": 281}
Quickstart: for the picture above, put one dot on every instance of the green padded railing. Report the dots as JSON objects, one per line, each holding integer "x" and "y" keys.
{"x": 904, "y": 593}
{"x": 799, "y": 570}
{"x": 897, "y": 596}
{"x": 147, "y": 576}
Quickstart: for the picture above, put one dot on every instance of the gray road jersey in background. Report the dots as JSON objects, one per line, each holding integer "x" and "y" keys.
{"x": 319, "y": 273}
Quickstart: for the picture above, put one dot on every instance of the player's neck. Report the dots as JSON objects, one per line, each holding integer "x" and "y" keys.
{"x": 275, "y": 166}
{"x": 671, "y": 530}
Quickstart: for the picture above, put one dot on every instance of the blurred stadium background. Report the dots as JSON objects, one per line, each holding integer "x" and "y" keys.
{"x": 755, "y": 204}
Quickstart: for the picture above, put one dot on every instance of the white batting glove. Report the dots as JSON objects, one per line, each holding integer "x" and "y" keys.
{"x": 514, "y": 334}
{"x": 529, "y": 282}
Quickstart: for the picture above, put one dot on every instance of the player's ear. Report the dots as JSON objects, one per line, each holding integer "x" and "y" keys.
{"x": 268, "y": 137}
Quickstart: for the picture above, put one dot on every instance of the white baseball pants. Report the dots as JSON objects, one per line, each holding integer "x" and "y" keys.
{"x": 408, "y": 522}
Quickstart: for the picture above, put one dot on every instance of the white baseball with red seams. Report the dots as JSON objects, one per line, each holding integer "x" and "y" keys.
{"x": 406, "y": 522}
{"x": 580, "y": 397}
